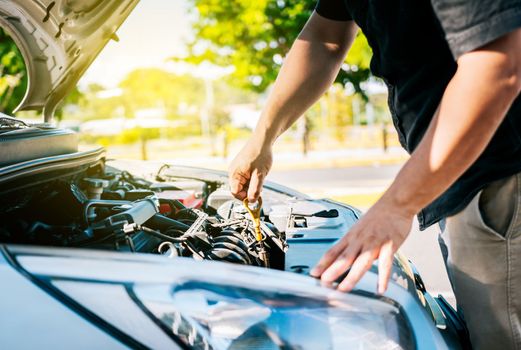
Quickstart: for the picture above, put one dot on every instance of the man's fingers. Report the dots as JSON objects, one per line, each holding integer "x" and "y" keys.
{"x": 341, "y": 264}
{"x": 328, "y": 258}
{"x": 237, "y": 185}
{"x": 385, "y": 262}
{"x": 240, "y": 195}
{"x": 255, "y": 186}
{"x": 361, "y": 265}
{"x": 242, "y": 186}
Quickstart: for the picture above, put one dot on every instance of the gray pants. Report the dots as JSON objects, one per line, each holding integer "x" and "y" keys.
{"x": 484, "y": 264}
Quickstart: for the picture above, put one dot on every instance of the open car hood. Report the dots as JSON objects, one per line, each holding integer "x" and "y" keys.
{"x": 59, "y": 40}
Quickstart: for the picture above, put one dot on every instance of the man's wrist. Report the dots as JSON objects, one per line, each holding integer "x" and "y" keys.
{"x": 397, "y": 199}
{"x": 264, "y": 137}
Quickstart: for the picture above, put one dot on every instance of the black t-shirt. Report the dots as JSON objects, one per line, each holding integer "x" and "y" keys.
{"x": 415, "y": 44}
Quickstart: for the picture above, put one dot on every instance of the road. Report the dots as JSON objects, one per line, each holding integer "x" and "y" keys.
{"x": 352, "y": 177}
{"x": 420, "y": 247}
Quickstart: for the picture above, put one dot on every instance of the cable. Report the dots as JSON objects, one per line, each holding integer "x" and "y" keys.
{"x": 160, "y": 235}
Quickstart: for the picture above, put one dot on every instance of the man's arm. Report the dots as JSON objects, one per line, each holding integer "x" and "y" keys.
{"x": 308, "y": 70}
{"x": 473, "y": 106}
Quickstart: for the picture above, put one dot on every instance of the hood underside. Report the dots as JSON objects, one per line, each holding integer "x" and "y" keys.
{"x": 58, "y": 41}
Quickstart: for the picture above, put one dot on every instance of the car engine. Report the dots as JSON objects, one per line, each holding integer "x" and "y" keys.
{"x": 174, "y": 211}
{"x": 117, "y": 211}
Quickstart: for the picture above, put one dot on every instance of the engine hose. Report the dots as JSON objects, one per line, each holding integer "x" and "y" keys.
{"x": 161, "y": 222}
{"x": 174, "y": 233}
{"x": 233, "y": 247}
{"x": 235, "y": 239}
{"x": 168, "y": 249}
{"x": 225, "y": 254}
{"x": 186, "y": 214}
{"x": 237, "y": 244}
{"x": 161, "y": 235}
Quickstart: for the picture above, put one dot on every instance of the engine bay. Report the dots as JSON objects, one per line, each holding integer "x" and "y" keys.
{"x": 109, "y": 209}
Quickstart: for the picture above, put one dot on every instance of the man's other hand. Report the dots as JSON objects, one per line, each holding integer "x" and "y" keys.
{"x": 248, "y": 171}
{"x": 378, "y": 235}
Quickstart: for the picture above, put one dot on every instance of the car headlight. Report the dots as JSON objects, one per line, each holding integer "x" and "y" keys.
{"x": 206, "y": 315}
{"x": 209, "y": 305}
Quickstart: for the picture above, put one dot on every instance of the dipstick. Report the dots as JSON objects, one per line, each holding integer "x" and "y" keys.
{"x": 255, "y": 217}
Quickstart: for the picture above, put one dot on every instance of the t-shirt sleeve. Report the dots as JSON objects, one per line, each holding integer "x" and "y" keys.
{"x": 333, "y": 9}
{"x": 470, "y": 24}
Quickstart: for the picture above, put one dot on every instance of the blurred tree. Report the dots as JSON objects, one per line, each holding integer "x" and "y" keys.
{"x": 254, "y": 36}
{"x": 94, "y": 105}
{"x": 13, "y": 75}
{"x": 154, "y": 87}
{"x": 74, "y": 98}
{"x": 183, "y": 97}
{"x": 162, "y": 93}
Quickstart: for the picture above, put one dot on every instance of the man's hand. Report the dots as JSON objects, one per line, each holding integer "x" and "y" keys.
{"x": 248, "y": 171}
{"x": 377, "y": 235}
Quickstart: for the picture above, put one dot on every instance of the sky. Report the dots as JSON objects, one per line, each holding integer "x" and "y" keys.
{"x": 153, "y": 32}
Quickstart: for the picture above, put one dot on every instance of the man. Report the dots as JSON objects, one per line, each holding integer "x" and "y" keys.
{"x": 453, "y": 70}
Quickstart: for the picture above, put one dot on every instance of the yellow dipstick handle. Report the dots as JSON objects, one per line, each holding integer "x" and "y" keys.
{"x": 255, "y": 216}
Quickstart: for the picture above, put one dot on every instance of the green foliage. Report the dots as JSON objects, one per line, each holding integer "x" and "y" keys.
{"x": 178, "y": 98}
{"x": 13, "y": 75}
{"x": 128, "y": 136}
{"x": 154, "y": 87}
{"x": 135, "y": 134}
{"x": 75, "y": 97}
{"x": 254, "y": 36}
{"x": 181, "y": 96}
